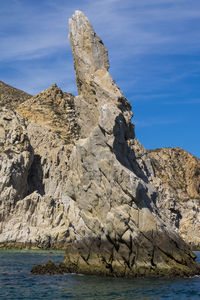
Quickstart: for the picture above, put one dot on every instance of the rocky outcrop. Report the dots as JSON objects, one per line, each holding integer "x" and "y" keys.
{"x": 179, "y": 172}
{"x": 88, "y": 185}
{"x": 119, "y": 231}
{"x": 54, "y": 110}
{"x": 39, "y": 217}
{"x": 11, "y": 97}
{"x": 49, "y": 269}
{"x": 16, "y": 156}
{"x": 175, "y": 174}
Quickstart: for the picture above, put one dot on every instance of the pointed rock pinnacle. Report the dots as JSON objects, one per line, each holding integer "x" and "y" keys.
{"x": 88, "y": 49}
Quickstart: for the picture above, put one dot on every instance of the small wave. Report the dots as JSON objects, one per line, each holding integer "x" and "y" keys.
{"x": 77, "y": 274}
{"x": 195, "y": 276}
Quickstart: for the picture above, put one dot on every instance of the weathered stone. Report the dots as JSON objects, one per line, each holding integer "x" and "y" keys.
{"x": 175, "y": 174}
{"x": 16, "y": 156}
{"x": 89, "y": 186}
{"x": 49, "y": 269}
{"x": 179, "y": 172}
{"x": 39, "y": 218}
{"x": 11, "y": 97}
{"x": 54, "y": 110}
{"x": 109, "y": 181}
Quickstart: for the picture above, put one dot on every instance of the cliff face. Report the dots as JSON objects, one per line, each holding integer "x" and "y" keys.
{"x": 39, "y": 217}
{"x": 179, "y": 172}
{"x": 87, "y": 184}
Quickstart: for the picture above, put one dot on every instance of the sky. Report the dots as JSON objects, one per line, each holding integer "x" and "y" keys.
{"x": 154, "y": 53}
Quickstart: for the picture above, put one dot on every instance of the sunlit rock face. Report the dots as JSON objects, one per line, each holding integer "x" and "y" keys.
{"x": 11, "y": 97}
{"x": 86, "y": 188}
{"x": 179, "y": 174}
{"x": 36, "y": 174}
{"x": 118, "y": 230}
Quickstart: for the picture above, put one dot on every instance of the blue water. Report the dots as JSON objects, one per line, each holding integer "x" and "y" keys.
{"x": 16, "y": 282}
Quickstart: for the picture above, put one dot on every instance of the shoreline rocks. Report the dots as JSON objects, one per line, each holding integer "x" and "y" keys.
{"x": 50, "y": 268}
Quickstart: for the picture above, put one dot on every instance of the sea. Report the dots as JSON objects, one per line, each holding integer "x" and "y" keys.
{"x": 16, "y": 282}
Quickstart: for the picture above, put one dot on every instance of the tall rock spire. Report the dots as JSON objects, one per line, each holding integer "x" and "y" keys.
{"x": 116, "y": 228}
{"x": 88, "y": 50}
{"x": 98, "y": 92}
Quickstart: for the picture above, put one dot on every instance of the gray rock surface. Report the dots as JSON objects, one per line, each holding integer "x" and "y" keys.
{"x": 39, "y": 218}
{"x": 85, "y": 186}
{"x": 16, "y": 156}
{"x": 176, "y": 175}
{"x": 179, "y": 174}
{"x": 121, "y": 231}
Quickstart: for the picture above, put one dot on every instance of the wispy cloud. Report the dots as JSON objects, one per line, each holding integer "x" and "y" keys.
{"x": 27, "y": 33}
{"x": 151, "y": 97}
{"x": 132, "y": 30}
{"x": 154, "y": 122}
{"x": 128, "y": 27}
{"x": 182, "y": 102}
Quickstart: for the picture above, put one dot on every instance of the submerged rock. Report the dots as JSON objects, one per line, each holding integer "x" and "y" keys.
{"x": 50, "y": 268}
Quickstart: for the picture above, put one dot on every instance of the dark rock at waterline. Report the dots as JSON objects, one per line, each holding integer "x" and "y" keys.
{"x": 50, "y": 268}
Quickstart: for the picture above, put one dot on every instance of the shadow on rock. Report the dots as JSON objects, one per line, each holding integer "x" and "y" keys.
{"x": 123, "y": 152}
{"x": 35, "y": 177}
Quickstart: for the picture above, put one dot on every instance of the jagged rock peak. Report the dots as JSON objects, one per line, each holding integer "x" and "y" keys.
{"x": 11, "y": 97}
{"x": 88, "y": 49}
{"x": 98, "y": 92}
{"x": 53, "y": 109}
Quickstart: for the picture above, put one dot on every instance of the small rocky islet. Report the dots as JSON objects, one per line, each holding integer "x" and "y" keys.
{"x": 73, "y": 177}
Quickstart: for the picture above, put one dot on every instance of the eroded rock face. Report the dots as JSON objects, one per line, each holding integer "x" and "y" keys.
{"x": 179, "y": 172}
{"x": 11, "y": 97}
{"x": 175, "y": 174}
{"x": 16, "y": 156}
{"x": 54, "y": 110}
{"x": 120, "y": 231}
{"x": 88, "y": 184}
{"x": 39, "y": 218}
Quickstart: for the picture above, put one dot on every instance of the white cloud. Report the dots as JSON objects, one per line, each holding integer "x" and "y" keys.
{"x": 132, "y": 27}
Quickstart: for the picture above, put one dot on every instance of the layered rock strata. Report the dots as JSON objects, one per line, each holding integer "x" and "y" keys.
{"x": 86, "y": 186}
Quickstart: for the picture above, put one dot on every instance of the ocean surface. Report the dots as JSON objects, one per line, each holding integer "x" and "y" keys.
{"x": 16, "y": 282}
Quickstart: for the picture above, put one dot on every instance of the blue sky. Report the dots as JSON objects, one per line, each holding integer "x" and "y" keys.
{"x": 154, "y": 52}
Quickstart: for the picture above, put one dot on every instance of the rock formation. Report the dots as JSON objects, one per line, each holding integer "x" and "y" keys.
{"x": 39, "y": 218}
{"x": 179, "y": 172}
{"x": 87, "y": 184}
{"x": 175, "y": 174}
{"x": 11, "y": 97}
